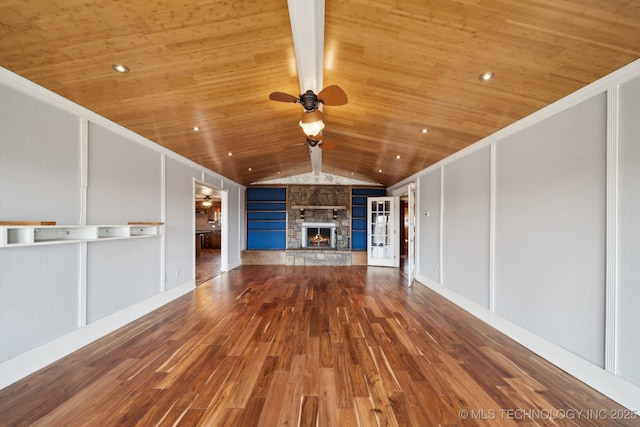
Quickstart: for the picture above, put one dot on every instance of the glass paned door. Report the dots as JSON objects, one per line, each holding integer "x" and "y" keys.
{"x": 382, "y": 236}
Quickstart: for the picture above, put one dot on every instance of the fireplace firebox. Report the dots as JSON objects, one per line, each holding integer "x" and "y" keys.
{"x": 319, "y": 235}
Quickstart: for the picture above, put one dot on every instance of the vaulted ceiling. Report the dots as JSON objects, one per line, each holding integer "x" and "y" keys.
{"x": 406, "y": 65}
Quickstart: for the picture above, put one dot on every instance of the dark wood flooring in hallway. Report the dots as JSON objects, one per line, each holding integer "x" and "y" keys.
{"x": 305, "y": 346}
{"x": 207, "y": 265}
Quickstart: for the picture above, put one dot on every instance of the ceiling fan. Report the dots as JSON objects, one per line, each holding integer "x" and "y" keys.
{"x": 316, "y": 141}
{"x": 331, "y": 95}
{"x": 311, "y": 121}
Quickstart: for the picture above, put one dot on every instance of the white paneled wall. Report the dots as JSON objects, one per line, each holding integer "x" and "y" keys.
{"x": 40, "y": 150}
{"x": 235, "y": 198}
{"x": 428, "y": 225}
{"x": 179, "y": 218}
{"x": 39, "y": 180}
{"x": 124, "y": 179}
{"x": 37, "y": 304}
{"x": 121, "y": 274}
{"x": 628, "y": 287}
{"x": 531, "y": 240}
{"x": 550, "y": 228}
{"x": 465, "y": 222}
{"x": 60, "y": 162}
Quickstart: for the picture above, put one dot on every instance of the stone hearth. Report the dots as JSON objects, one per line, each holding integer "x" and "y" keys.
{"x": 317, "y": 257}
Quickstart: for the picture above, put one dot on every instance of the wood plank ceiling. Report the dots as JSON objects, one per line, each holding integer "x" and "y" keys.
{"x": 404, "y": 64}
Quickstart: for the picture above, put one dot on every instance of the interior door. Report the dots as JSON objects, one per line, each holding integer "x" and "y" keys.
{"x": 382, "y": 231}
{"x": 411, "y": 261}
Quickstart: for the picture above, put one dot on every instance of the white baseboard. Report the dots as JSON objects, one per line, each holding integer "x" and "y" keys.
{"x": 234, "y": 265}
{"x": 29, "y": 362}
{"x": 614, "y": 387}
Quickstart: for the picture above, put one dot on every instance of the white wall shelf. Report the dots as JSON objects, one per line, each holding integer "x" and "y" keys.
{"x": 32, "y": 235}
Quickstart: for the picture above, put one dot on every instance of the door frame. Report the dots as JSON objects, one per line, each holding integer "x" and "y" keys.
{"x": 411, "y": 255}
{"x": 392, "y": 231}
{"x": 223, "y": 195}
{"x": 408, "y": 191}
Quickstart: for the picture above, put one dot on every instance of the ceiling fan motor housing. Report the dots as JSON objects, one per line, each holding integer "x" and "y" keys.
{"x": 309, "y": 101}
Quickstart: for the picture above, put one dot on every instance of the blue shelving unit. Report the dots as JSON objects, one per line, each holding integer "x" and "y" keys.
{"x": 266, "y": 218}
{"x": 359, "y": 215}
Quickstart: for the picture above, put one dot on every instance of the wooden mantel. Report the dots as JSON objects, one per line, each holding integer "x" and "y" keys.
{"x": 317, "y": 207}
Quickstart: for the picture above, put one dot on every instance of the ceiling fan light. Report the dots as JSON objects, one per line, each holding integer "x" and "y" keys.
{"x": 311, "y": 122}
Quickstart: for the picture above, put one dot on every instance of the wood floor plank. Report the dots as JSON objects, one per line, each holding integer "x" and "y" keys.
{"x": 247, "y": 376}
{"x": 365, "y": 411}
{"x": 309, "y": 412}
{"x": 99, "y": 393}
{"x": 216, "y": 413}
{"x": 323, "y": 346}
{"x": 312, "y": 367}
{"x": 214, "y": 383}
{"x": 347, "y": 417}
{"x": 273, "y": 401}
{"x": 344, "y": 385}
{"x": 292, "y": 393}
{"x": 177, "y": 410}
{"x": 327, "y": 404}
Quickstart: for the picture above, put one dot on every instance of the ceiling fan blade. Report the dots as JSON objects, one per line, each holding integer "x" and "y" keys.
{"x": 328, "y": 145}
{"x": 333, "y": 95}
{"x": 282, "y": 97}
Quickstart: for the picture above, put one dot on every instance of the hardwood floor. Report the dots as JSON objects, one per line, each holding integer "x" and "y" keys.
{"x": 207, "y": 265}
{"x": 305, "y": 346}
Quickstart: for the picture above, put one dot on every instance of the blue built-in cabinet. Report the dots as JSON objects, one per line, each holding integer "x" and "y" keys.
{"x": 266, "y": 218}
{"x": 359, "y": 215}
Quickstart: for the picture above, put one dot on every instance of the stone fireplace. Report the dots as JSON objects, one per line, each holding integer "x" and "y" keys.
{"x": 319, "y": 225}
{"x": 328, "y": 204}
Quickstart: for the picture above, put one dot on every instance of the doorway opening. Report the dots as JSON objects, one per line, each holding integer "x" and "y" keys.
{"x": 407, "y": 226}
{"x": 404, "y": 233}
{"x": 208, "y": 232}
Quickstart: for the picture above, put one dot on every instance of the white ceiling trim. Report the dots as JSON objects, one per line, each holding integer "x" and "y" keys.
{"x": 307, "y": 28}
{"x": 317, "y": 179}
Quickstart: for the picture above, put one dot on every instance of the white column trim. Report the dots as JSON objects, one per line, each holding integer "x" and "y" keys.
{"x": 307, "y": 29}
{"x": 441, "y": 248}
{"x": 163, "y": 218}
{"x": 82, "y": 220}
{"x": 492, "y": 229}
{"x": 611, "y": 268}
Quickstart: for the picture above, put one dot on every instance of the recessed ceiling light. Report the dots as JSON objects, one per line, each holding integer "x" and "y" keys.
{"x": 398, "y": 156}
{"x": 121, "y": 68}
{"x": 425, "y": 130}
{"x": 195, "y": 128}
{"x": 250, "y": 169}
{"x": 230, "y": 153}
{"x": 486, "y": 76}
{"x": 278, "y": 172}
{"x": 380, "y": 170}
